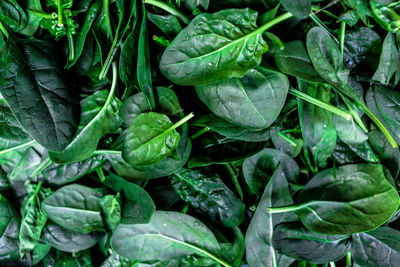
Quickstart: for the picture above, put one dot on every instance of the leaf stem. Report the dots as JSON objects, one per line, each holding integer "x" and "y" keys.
{"x": 293, "y": 207}
{"x": 234, "y": 180}
{"x": 30, "y": 143}
{"x": 70, "y": 45}
{"x": 200, "y": 132}
{"x": 320, "y": 104}
{"x": 42, "y": 166}
{"x": 348, "y": 259}
{"x": 106, "y": 6}
{"x": 332, "y": 264}
{"x": 353, "y": 112}
{"x": 100, "y": 173}
{"x": 273, "y": 22}
{"x": 169, "y": 9}
{"x": 180, "y": 122}
{"x": 4, "y": 30}
{"x": 342, "y": 35}
{"x": 287, "y": 138}
{"x": 379, "y": 124}
{"x": 185, "y": 208}
{"x": 43, "y": 14}
{"x": 105, "y": 151}
{"x": 59, "y": 13}
{"x": 37, "y": 191}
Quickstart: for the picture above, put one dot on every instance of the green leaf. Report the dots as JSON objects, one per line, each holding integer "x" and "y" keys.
{"x": 317, "y": 126}
{"x": 260, "y": 249}
{"x": 299, "y": 8}
{"x": 379, "y": 247}
{"x": 389, "y": 156}
{"x": 98, "y": 112}
{"x": 9, "y": 228}
{"x": 143, "y": 69}
{"x": 80, "y": 39}
{"x": 111, "y": 207}
{"x": 127, "y": 61}
{"x": 385, "y": 104}
{"x": 75, "y": 207}
{"x": 389, "y": 62}
{"x": 32, "y": 223}
{"x": 132, "y": 107}
{"x": 167, "y": 101}
{"x": 326, "y": 59}
{"x": 168, "y": 235}
{"x": 294, "y": 60}
{"x": 295, "y": 241}
{"x": 39, "y": 252}
{"x": 208, "y": 194}
{"x": 168, "y": 24}
{"x": 66, "y": 240}
{"x": 231, "y": 130}
{"x": 150, "y": 138}
{"x": 48, "y": 111}
{"x": 57, "y": 174}
{"x": 348, "y": 130}
{"x": 254, "y": 101}
{"x": 233, "y": 45}
{"x": 138, "y": 206}
{"x": 259, "y": 168}
{"x": 363, "y": 195}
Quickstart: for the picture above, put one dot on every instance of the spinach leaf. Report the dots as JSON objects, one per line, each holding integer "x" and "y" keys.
{"x": 363, "y": 195}
{"x": 217, "y": 46}
{"x": 9, "y": 229}
{"x": 75, "y": 207}
{"x": 257, "y": 103}
{"x": 48, "y": 110}
{"x": 208, "y": 194}
{"x": 299, "y": 8}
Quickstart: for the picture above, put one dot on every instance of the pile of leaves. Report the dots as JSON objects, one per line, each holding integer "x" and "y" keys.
{"x": 199, "y": 133}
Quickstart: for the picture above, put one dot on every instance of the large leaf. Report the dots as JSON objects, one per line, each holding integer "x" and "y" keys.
{"x": 260, "y": 250}
{"x": 168, "y": 235}
{"x": 363, "y": 195}
{"x": 254, "y": 101}
{"x": 9, "y": 228}
{"x": 259, "y": 168}
{"x": 208, "y": 194}
{"x": 295, "y": 241}
{"x": 317, "y": 126}
{"x": 379, "y": 247}
{"x": 389, "y": 63}
{"x": 47, "y": 110}
{"x": 294, "y": 60}
{"x": 149, "y": 139}
{"x": 98, "y": 112}
{"x": 138, "y": 206}
{"x": 75, "y": 207}
{"x": 66, "y": 240}
{"x": 214, "y": 47}
{"x": 299, "y": 8}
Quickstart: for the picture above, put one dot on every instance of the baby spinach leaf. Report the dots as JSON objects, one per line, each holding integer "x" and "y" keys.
{"x": 111, "y": 207}
{"x": 260, "y": 249}
{"x": 363, "y": 195}
{"x": 299, "y": 8}
{"x": 127, "y": 61}
{"x": 294, "y": 60}
{"x": 39, "y": 252}
{"x": 98, "y": 112}
{"x": 297, "y": 242}
{"x": 214, "y": 47}
{"x": 364, "y": 247}
{"x": 208, "y": 194}
{"x": 317, "y": 126}
{"x": 9, "y": 229}
{"x": 48, "y": 111}
{"x": 150, "y": 138}
{"x": 173, "y": 234}
{"x": 138, "y": 207}
{"x": 259, "y": 168}
{"x": 168, "y": 24}
{"x": 231, "y": 130}
{"x": 257, "y": 103}
{"x": 389, "y": 62}
{"x": 67, "y": 240}
{"x": 75, "y": 207}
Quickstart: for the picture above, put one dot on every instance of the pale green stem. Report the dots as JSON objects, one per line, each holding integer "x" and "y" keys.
{"x": 287, "y": 138}
{"x": 28, "y": 144}
{"x": 179, "y": 123}
{"x": 353, "y": 113}
{"x": 320, "y": 104}
{"x": 332, "y": 264}
{"x": 59, "y": 13}
{"x": 234, "y": 180}
{"x": 71, "y": 47}
{"x": 106, "y": 6}
{"x": 43, "y": 14}
{"x": 42, "y": 166}
{"x": 200, "y": 132}
{"x": 185, "y": 208}
{"x": 293, "y": 207}
{"x": 169, "y": 9}
{"x": 4, "y": 30}
{"x": 100, "y": 173}
{"x": 348, "y": 259}
{"x": 105, "y": 151}
{"x": 342, "y": 36}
